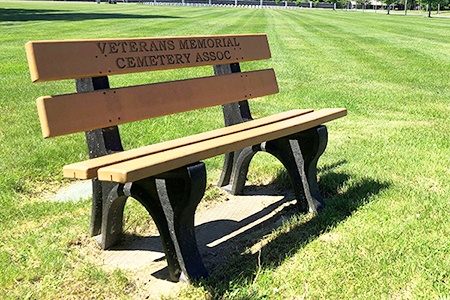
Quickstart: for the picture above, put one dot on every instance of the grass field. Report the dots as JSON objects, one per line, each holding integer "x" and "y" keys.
{"x": 385, "y": 174}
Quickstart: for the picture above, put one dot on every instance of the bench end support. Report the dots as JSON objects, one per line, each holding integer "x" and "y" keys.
{"x": 298, "y": 153}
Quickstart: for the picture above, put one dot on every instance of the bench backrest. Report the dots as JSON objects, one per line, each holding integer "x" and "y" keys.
{"x": 98, "y": 106}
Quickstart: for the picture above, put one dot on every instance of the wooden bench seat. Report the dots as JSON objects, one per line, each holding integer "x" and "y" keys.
{"x": 149, "y": 165}
{"x": 169, "y": 178}
{"x": 125, "y": 166}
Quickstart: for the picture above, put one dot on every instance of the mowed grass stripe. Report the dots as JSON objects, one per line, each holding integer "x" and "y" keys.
{"x": 384, "y": 173}
{"x": 364, "y": 54}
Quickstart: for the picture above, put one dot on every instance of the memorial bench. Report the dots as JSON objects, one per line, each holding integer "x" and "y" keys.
{"x": 168, "y": 178}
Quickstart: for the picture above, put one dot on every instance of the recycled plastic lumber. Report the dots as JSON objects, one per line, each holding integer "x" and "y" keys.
{"x": 169, "y": 178}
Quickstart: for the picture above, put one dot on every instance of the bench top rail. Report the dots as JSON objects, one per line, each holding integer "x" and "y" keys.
{"x": 65, "y": 114}
{"x": 70, "y": 59}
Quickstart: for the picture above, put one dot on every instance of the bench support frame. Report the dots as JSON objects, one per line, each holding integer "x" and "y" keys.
{"x": 299, "y": 154}
{"x": 171, "y": 199}
{"x": 167, "y": 178}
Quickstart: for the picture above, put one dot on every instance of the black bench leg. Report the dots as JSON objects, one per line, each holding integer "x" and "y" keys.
{"x": 112, "y": 216}
{"x": 180, "y": 191}
{"x": 235, "y": 169}
{"x": 298, "y": 153}
{"x": 227, "y": 169}
{"x": 171, "y": 199}
{"x": 100, "y": 193}
{"x": 313, "y": 143}
{"x": 288, "y": 151}
{"x": 143, "y": 191}
{"x": 97, "y": 207}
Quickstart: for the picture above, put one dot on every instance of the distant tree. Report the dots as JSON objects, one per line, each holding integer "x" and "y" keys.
{"x": 389, "y": 4}
{"x": 339, "y": 3}
{"x": 363, "y": 3}
{"x": 412, "y": 4}
{"x": 433, "y": 4}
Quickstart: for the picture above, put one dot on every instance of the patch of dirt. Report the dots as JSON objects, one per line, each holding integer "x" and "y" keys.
{"x": 222, "y": 222}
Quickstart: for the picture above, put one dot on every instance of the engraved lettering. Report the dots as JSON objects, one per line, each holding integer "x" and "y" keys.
{"x": 183, "y": 44}
{"x": 145, "y": 61}
{"x": 201, "y": 43}
{"x": 113, "y": 48}
{"x": 161, "y": 59}
{"x": 170, "y": 59}
{"x": 179, "y": 58}
{"x": 218, "y": 43}
{"x": 120, "y": 63}
{"x": 131, "y": 62}
{"x": 170, "y": 45}
{"x": 187, "y": 56}
{"x": 199, "y": 58}
{"x": 153, "y": 61}
{"x": 101, "y": 47}
{"x": 141, "y": 61}
{"x": 212, "y": 56}
{"x": 133, "y": 47}
{"x": 153, "y": 47}
{"x": 162, "y": 45}
{"x": 123, "y": 44}
{"x": 143, "y": 47}
{"x": 210, "y": 43}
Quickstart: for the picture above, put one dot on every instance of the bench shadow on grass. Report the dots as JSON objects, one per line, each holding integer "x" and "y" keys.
{"x": 23, "y": 15}
{"x": 340, "y": 204}
{"x": 225, "y": 261}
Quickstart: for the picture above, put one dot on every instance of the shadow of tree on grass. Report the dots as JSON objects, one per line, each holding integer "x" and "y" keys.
{"x": 24, "y": 15}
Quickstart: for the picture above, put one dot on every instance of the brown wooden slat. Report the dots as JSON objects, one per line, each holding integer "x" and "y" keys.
{"x": 88, "y": 169}
{"x": 54, "y": 60}
{"x": 163, "y": 161}
{"x": 64, "y": 114}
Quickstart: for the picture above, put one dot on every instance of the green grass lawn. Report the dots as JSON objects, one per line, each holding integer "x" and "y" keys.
{"x": 385, "y": 174}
